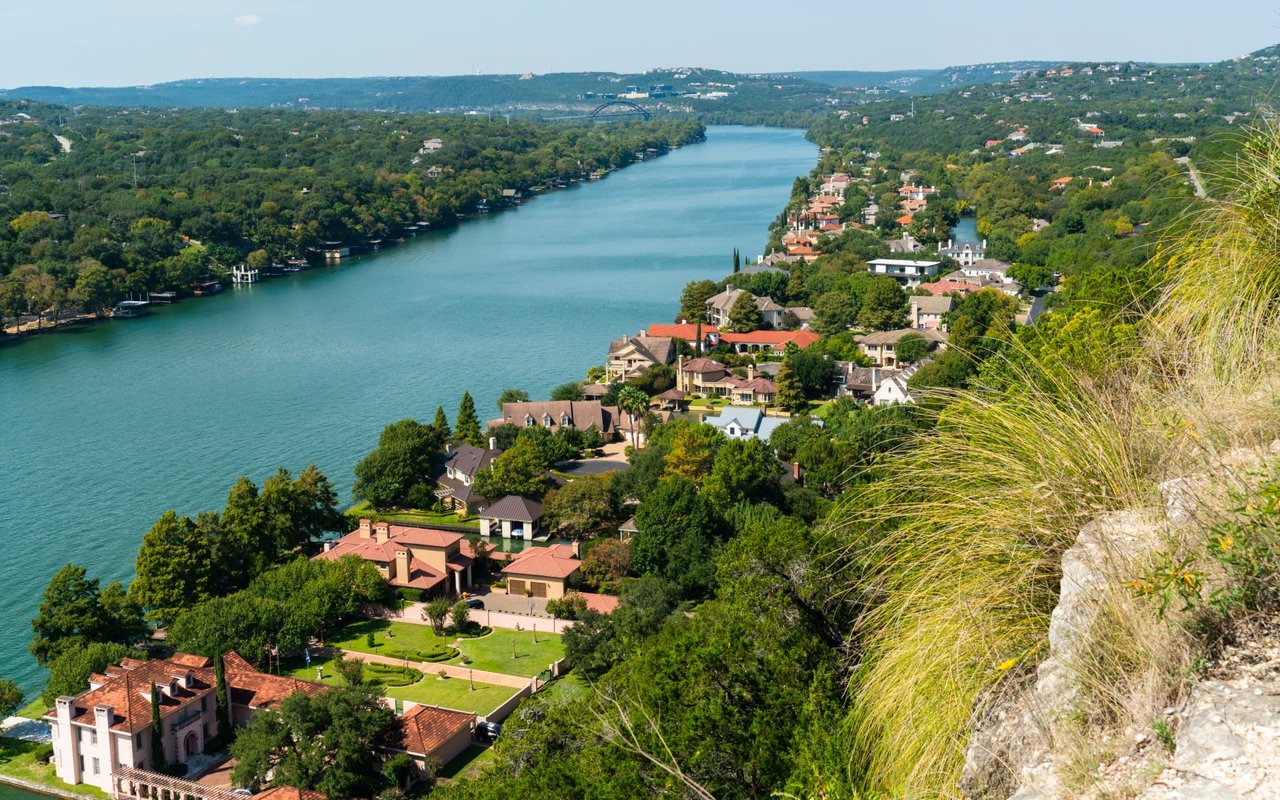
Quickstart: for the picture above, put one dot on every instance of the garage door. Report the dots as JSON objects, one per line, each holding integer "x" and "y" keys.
{"x": 539, "y": 588}
{"x": 515, "y": 586}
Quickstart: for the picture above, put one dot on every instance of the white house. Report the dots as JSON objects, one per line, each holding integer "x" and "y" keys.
{"x": 744, "y": 423}
{"x": 905, "y": 271}
{"x": 893, "y": 390}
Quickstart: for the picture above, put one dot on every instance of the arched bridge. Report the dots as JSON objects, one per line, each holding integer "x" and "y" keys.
{"x": 610, "y": 109}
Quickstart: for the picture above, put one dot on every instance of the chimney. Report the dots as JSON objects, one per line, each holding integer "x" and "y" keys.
{"x": 366, "y": 528}
{"x": 382, "y": 532}
{"x": 795, "y": 470}
{"x": 493, "y": 442}
{"x": 751, "y": 372}
{"x": 577, "y": 549}
{"x": 402, "y": 565}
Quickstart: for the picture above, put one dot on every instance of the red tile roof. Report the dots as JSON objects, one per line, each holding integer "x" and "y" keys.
{"x": 126, "y": 688}
{"x": 687, "y": 331}
{"x": 556, "y": 561}
{"x": 424, "y": 729}
{"x": 601, "y": 603}
{"x": 778, "y": 339}
{"x": 249, "y": 687}
{"x": 944, "y": 287}
{"x": 289, "y": 793}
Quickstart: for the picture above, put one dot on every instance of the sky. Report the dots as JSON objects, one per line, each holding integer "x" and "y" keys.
{"x": 130, "y": 42}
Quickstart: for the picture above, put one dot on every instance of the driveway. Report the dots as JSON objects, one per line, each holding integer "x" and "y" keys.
{"x": 592, "y": 466}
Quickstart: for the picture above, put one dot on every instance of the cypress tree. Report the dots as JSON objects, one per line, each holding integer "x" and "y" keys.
{"x": 441, "y": 423}
{"x": 467, "y": 424}
{"x": 223, "y": 697}
{"x": 737, "y": 261}
{"x": 157, "y": 731}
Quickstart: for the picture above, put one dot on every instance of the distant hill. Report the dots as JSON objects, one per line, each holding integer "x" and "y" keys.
{"x": 926, "y": 81}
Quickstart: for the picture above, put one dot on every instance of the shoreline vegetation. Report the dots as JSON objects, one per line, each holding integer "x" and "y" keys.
{"x": 169, "y": 203}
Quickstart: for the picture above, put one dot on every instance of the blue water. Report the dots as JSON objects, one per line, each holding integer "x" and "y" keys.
{"x": 105, "y": 426}
{"x": 965, "y": 230}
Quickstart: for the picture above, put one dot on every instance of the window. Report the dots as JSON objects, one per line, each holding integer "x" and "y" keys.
{"x": 528, "y": 421}
{"x": 204, "y": 703}
{"x": 546, "y": 420}
{"x": 82, "y": 762}
{"x": 93, "y": 738}
{"x": 138, "y": 739}
{"x": 564, "y": 420}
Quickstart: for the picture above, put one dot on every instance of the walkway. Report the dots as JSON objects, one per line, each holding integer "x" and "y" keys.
{"x": 452, "y": 670}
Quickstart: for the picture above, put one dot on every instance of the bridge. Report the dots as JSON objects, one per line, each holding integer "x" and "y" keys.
{"x": 605, "y": 111}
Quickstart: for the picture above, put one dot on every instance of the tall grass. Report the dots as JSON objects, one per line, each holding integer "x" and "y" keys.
{"x": 962, "y": 573}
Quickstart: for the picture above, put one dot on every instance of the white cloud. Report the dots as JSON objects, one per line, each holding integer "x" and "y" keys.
{"x": 247, "y": 20}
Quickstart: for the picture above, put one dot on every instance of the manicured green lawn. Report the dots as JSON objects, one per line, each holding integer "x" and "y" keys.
{"x": 492, "y": 652}
{"x": 33, "y": 710}
{"x": 565, "y": 688}
{"x": 18, "y": 759}
{"x": 414, "y": 516}
{"x": 456, "y": 693}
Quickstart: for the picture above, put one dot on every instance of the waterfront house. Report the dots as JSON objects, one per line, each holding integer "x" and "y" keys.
{"x": 454, "y": 480}
{"x": 767, "y": 341}
{"x": 926, "y": 312}
{"x": 409, "y": 557}
{"x": 103, "y": 735}
{"x": 881, "y": 347}
{"x": 744, "y": 423}
{"x": 556, "y": 414}
{"x": 541, "y": 571}
{"x": 630, "y": 356}
{"x": 905, "y": 271}
{"x": 688, "y": 332}
{"x": 718, "y": 307}
{"x": 512, "y": 517}
{"x": 711, "y": 378}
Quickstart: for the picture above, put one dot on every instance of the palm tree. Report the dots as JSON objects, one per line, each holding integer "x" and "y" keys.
{"x": 633, "y": 403}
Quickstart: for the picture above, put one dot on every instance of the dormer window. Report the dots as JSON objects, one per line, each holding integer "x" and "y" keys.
{"x": 528, "y": 421}
{"x": 564, "y": 420}
{"x": 546, "y": 420}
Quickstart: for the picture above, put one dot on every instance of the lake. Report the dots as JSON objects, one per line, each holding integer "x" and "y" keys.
{"x": 107, "y": 425}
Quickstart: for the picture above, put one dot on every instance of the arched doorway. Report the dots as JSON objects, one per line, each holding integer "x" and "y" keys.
{"x": 192, "y": 746}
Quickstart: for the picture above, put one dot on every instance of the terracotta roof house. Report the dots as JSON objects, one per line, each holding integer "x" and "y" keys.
{"x": 512, "y": 516}
{"x": 557, "y": 414}
{"x": 428, "y": 733}
{"x": 408, "y": 556}
{"x": 684, "y": 331}
{"x": 630, "y": 356}
{"x": 947, "y": 286}
{"x": 926, "y": 312}
{"x": 601, "y": 603}
{"x": 881, "y": 347}
{"x": 454, "y": 479}
{"x": 108, "y": 726}
{"x": 288, "y": 793}
{"x": 768, "y": 341}
{"x": 541, "y": 571}
{"x": 707, "y": 377}
{"x": 719, "y": 305}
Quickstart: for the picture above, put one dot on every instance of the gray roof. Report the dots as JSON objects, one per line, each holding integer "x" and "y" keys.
{"x": 928, "y": 304}
{"x": 658, "y": 349}
{"x": 516, "y": 508}
{"x": 469, "y": 459}
{"x": 892, "y": 337}
{"x": 750, "y": 419}
{"x": 754, "y": 269}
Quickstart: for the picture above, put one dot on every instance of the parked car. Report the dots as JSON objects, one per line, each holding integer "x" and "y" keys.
{"x": 488, "y": 731}
{"x": 475, "y": 602}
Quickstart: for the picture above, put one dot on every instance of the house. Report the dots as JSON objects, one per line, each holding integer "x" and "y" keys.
{"x": 856, "y": 381}
{"x": 429, "y": 733}
{"x": 744, "y": 423}
{"x": 713, "y": 379}
{"x": 766, "y": 341}
{"x": 881, "y": 347}
{"x": 762, "y": 268}
{"x": 106, "y": 729}
{"x": 904, "y": 271}
{"x": 454, "y": 480}
{"x": 556, "y": 414}
{"x": 407, "y": 556}
{"x": 803, "y": 315}
{"x": 907, "y": 244}
{"x": 926, "y": 312}
{"x": 964, "y": 252}
{"x": 893, "y": 390}
{"x": 541, "y": 571}
{"x": 1060, "y": 183}
{"x": 949, "y": 286}
{"x": 987, "y": 269}
{"x": 630, "y": 356}
{"x": 718, "y": 307}
{"x": 689, "y": 332}
{"x": 512, "y": 517}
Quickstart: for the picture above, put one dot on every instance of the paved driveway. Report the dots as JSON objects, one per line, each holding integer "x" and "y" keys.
{"x": 592, "y": 466}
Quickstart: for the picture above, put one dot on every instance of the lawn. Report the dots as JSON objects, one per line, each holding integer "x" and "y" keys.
{"x": 492, "y": 652}
{"x": 33, "y": 710}
{"x": 468, "y": 763}
{"x": 457, "y": 693}
{"x": 19, "y": 759}
{"x": 415, "y": 516}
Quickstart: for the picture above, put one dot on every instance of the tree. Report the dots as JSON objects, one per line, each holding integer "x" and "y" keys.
{"x": 633, "y": 403}
{"x": 70, "y": 616}
{"x": 884, "y": 304}
{"x": 606, "y": 564}
{"x": 744, "y": 471}
{"x": 441, "y": 424}
{"x": 567, "y": 391}
{"x": 460, "y": 616}
{"x": 911, "y": 348}
{"x": 222, "y": 696}
{"x": 173, "y": 568}
{"x": 351, "y": 670}
{"x": 834, "y": 312}
{"x": 814, "y": 371}
{"x": 790, "y": 395}
{"x": 466, "y": 426}
{"x": 330, "y": 742}
{"x": 435, "y": 612}
{"x": 571, "y": 606}
{"x": 406, "y": 453}
{"x": 737, "y": 261}
{"x": 744, "y": 314}
{"x": 582, "y": 506}
{"x": 69, "y": 672}
{"x": 518, "y": 471}
{"x": 512, "y": 396}
{"x": 10, "y": 697}
{"x": 678, "y": 535}
{"x": 158, "y": 762}
{"x": 693, "y": 300}
{"x": 692, "y": 449}
{"x": 94, "y": 286}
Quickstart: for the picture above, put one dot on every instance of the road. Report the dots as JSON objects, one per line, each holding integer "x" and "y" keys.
{"x": 1195, "y": 176}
